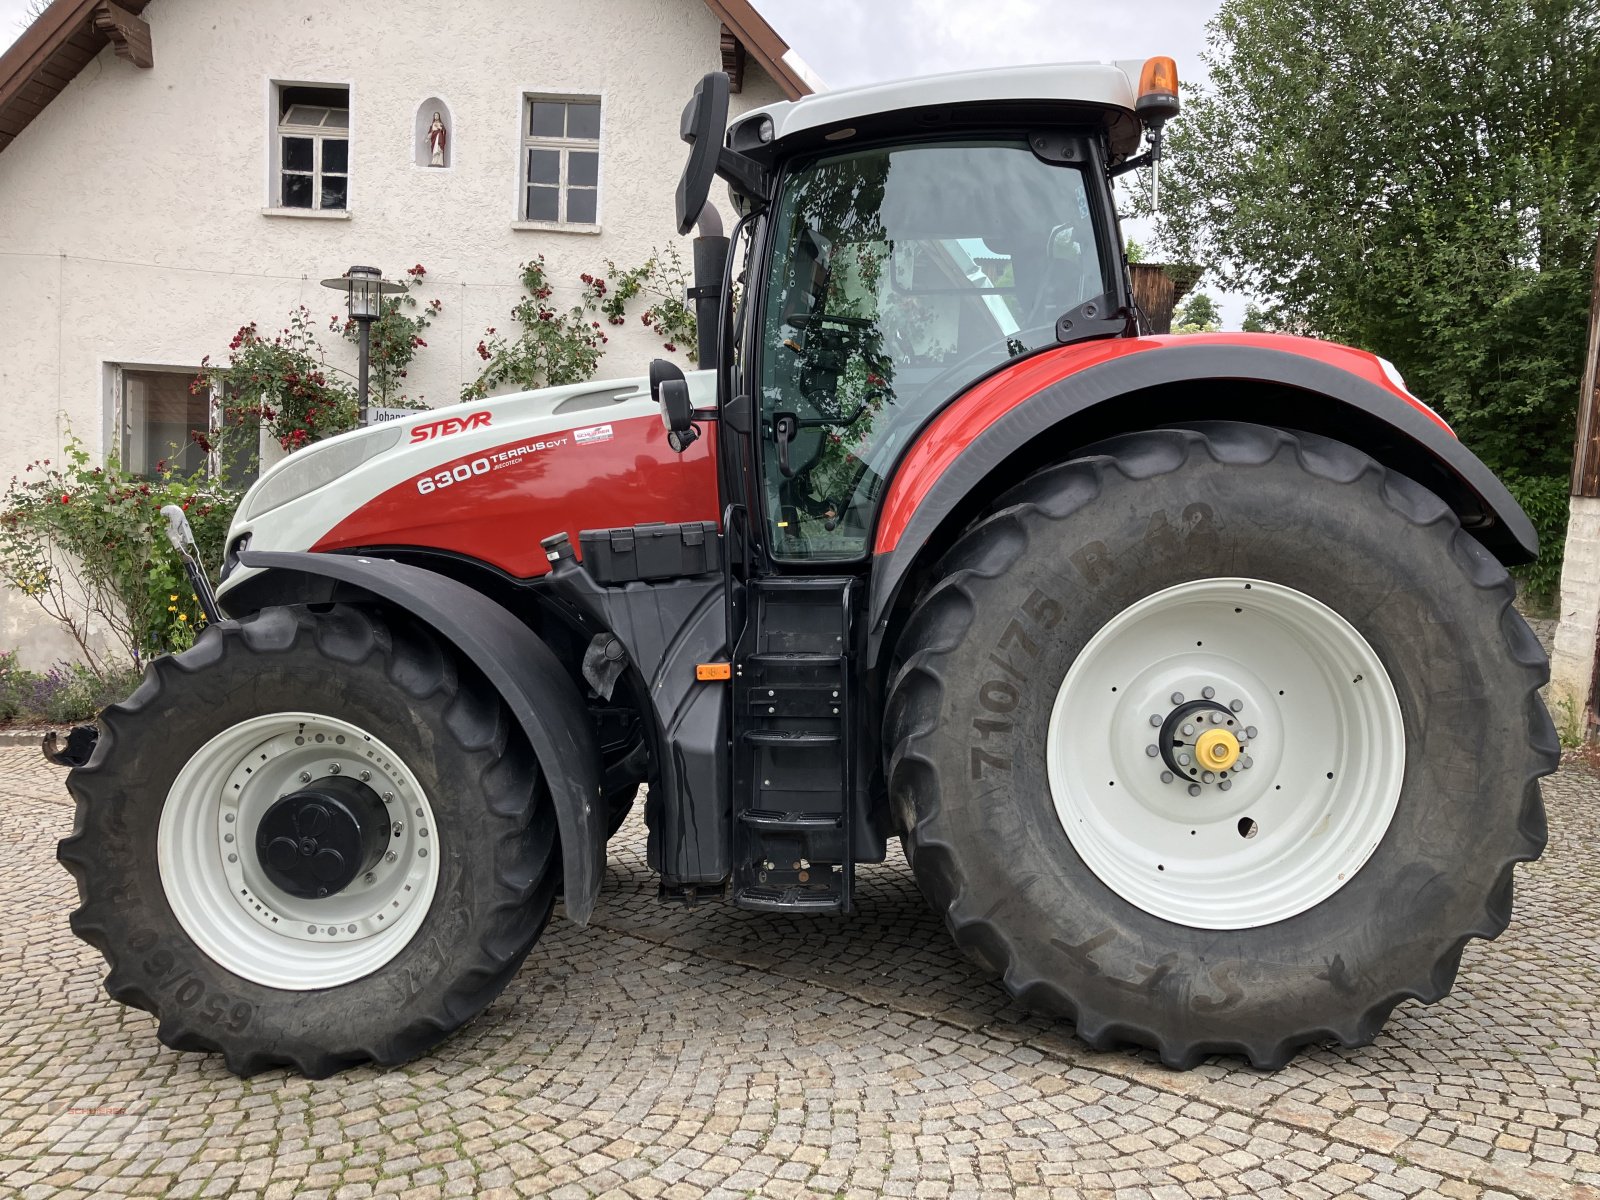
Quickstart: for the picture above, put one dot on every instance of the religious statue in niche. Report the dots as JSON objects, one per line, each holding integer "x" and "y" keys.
{"x": 438, "y": 139}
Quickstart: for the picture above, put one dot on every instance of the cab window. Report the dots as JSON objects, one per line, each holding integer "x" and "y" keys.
{"x": 900, "y": 274}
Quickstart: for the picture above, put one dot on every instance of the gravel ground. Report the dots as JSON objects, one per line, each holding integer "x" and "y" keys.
{"x": 710, "y": 1052}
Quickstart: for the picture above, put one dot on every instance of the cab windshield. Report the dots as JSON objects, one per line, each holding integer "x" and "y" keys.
{"x": 900, "y": 274}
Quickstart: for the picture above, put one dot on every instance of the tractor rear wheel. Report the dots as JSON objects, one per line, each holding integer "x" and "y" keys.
{"x": 313, "y": 839}
{"x": 1219, "y": 740}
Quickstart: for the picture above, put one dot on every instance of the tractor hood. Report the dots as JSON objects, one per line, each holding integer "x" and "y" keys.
{"x": 484, "y": 480}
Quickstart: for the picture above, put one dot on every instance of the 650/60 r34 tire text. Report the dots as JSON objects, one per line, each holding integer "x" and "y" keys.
{"x": 312, "y": 840}
{"x": 1219, "y": 740}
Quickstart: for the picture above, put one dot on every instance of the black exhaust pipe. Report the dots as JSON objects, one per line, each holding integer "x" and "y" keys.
{"x": 710, "y": 264}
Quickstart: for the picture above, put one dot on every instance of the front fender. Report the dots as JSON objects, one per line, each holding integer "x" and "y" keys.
{"x": 529, "y": 678}
{"x": 1070, "y": 397}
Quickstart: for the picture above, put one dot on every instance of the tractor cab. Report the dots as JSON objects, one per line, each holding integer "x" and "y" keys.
{"x": 898, "y": 243}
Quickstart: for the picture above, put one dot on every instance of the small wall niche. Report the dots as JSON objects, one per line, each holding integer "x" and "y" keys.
{"x": 422, "y": 141}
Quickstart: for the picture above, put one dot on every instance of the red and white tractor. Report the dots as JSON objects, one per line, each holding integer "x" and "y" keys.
{"x": 1185, "y": 669}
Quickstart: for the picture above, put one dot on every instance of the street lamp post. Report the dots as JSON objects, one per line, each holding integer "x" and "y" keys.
{"x": 364, "y": 289}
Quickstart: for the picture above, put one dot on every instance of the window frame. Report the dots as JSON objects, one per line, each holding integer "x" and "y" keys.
{"x": 278, "y": 129}
{"x": 117, "y": 432}
{"x": 564, "y": 145}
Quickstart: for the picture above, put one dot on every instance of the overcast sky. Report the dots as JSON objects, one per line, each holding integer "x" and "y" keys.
{"x": 860, "y": 41}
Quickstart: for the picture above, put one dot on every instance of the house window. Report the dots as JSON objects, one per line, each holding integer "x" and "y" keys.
{"x": 312, "y": 154}
{"x": 561, "y": 160}
{"x": 160, "y": 412}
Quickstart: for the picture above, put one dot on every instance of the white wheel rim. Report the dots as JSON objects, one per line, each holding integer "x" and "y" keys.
{"x": 223, "y": 898}
{"x": 1310, "y": 795}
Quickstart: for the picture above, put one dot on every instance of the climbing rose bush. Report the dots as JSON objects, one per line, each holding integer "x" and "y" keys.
{"x": 87, "y": 544}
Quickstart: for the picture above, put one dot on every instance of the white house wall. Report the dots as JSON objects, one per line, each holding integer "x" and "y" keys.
{"x": 131, "y": 223}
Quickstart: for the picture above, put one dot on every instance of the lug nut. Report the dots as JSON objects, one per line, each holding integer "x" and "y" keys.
{"x": 1183, "y": 760}
{"x": 305, "y": 776}
{"x": 1250, "y": 731}
{"x": 1166, "y": 777}
{"x": 1216, "y": 718}
{"x": 1246, "y": 762}
{"x": 1188, "y": 730}
{"x": 1152, "y": 750}
{"x": 399, "y": 827}
{"x": 1177, "y": 697}
{"x": 1155, "y": 718}
{"x": 1194, "y": 789}
{"x": 334, "y": 769}
{"x": 390, "y": 857}
{"x": 1225, "y": 784}
{"x": 371, "y": 878}
{"x": 1236, "y": 705}
{"x": 1209, "y": 693}
{"x": 1207, "y": 777}
{"x": 366, "y": 775}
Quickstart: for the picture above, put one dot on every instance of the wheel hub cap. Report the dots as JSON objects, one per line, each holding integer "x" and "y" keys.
{"x": 315, "y": 842}
{"x": 1217, "y": 749}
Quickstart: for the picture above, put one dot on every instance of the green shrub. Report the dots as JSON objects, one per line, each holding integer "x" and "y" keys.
{"x": 15, "y": 685}
{"x": 66, "y": 694}
{"x": 1546, "y": 500}
{"x": 88, "y": 545}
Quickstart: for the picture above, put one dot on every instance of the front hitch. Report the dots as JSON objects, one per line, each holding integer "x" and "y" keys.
{"x": 80, "y": 745}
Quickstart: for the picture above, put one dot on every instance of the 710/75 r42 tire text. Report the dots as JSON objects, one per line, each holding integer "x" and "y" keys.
{"x": 1219, "y": 740}
{"x": 395, "y": 855}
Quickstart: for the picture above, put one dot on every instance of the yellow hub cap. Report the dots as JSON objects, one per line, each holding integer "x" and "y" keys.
{"x": 1216, "y": 749}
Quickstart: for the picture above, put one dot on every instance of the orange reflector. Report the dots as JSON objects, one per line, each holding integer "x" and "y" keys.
{"x": 708, "y": 671}
{"x": 1159, "y": 78}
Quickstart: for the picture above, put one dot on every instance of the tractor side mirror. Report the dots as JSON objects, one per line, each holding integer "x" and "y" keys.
{"x": 670, "y": 390}
{"x": 704, "y": 125}
{"x": 704, "y": 122}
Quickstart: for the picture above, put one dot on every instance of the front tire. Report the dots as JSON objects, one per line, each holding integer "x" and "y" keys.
{"x": 312, "y": 840}
{"x": 1042, "y": 818}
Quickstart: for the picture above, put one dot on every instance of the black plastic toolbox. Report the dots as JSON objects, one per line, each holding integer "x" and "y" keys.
{"x": 653, "y": 551}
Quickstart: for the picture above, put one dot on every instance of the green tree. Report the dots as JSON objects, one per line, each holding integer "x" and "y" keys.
{"x": 1416, "y": 177}
{"x": 1197, "y": 314}
{"x": 1134, "y": 251}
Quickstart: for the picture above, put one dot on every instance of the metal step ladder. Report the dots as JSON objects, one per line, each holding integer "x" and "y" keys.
{"x": 792, "y": 754}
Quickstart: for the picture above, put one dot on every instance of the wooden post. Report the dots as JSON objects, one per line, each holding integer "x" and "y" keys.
{"x": 1586, "y": 448}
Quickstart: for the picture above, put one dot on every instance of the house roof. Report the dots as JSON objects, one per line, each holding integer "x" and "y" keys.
{"x": 61, "y": 42}
{"x": 68, "y": 35}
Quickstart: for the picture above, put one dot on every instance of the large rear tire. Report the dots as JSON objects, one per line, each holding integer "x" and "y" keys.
{"x": 312, "y": 840}
{"x": 1322, "y": 626}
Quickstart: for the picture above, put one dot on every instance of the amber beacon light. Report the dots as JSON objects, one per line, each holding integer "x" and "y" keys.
{"x": 1158, "y": 90}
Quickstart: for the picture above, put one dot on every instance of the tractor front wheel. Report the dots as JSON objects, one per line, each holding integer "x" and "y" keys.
{"x": 1219, "y": 740}
{"x": 314, "y": 839}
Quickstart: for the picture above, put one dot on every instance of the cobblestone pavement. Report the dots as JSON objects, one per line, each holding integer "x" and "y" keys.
{"x": 664, "y": 1052}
